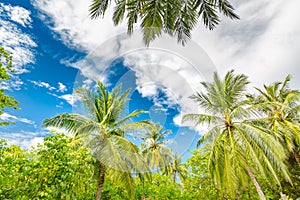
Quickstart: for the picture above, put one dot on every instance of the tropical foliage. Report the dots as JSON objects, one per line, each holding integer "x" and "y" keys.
{"x": 280, "y": 105}
{"x": 58, "y": 169}
{"x": 240, "y": 148}
{"x": 176, "y": 18}
{"x": 177, "y": 168}
{"x": 249, "y": 151}
{"x": 103, "y": 132}
{"x": 154, "y": 150}
{"x": 5, "y": 71}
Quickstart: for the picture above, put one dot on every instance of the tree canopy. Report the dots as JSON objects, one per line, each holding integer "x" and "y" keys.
{"x": 5, "y": 70}
{"x": 249, "y": 151}
{"x": 177, "y": 18}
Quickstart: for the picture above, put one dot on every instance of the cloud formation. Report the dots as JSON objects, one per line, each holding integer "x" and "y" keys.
{"x": 25, "y": 139}
{"x": 13, "y": 39}
{"x": 43, "y": 85}
{"x": 61, "y": 87}
{"x": 9, "y": 117}
{"x": 263, "y": 45}
{"x": 17, "y": 14}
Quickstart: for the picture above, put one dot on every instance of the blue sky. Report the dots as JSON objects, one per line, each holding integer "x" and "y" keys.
{"x": 56, "y": 48}
{"x": 46, "y": 82}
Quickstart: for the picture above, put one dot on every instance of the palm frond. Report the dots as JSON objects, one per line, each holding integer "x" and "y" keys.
{"x": 227, "y": 9}
{"x": 208, "y": 13}
{"x": 98, "y": 8}
{"x": 130, "y": 116}
{"x": 71, "y": 122}
{"x": 119, "y": 11}
{"x": 202, "y": 118}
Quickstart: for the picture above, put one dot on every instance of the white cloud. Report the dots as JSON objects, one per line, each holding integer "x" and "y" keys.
{"x": 24, "y": 139}
{"x": 165, "y": 67}
{"x": 13, "y": 39}
{"x": 32, "y": 142}
{"x": 9, "y": 117}
{"x": 71, "y": 20}
{"x": 70, "y": 98}
{"x": 264, "y": 44}
{"x": 43, "y": 85}
{"x": 14, "y": 84}
{"x": 61, "y": 87}
{"x": 17, "y": 14}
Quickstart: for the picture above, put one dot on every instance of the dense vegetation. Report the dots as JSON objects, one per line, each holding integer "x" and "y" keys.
{"x": 250, "y": 150}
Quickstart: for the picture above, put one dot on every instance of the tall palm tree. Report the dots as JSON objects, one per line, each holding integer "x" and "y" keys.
{"x": 153, "y": 148}
{"x": 281, "y": 107}
{"x": 103, "y": 131}
{"x": 177, "y": 168}
{"x": 240, "y": 149}
{"x": 176, "y": 18}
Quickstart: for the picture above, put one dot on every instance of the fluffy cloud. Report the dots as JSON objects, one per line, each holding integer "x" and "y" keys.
{"x": 70, "y": 98}
{"x": 263, "y": 45}
{"x": 43, "y": 84}
{"x": 25, "y": 139}
{"x": 9, "y": 117}
{"x": 71, "y": 20}
{"x": 17, "y": 14}
{"x": 61, "y": 87}
{"x": 13, "y": 39}
{"x": 12, "y": 85}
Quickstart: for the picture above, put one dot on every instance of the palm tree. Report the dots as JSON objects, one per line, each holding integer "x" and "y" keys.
{"x": 176, "y": 18}
{"x": 177, "y": 168}
{"x": 240, "y": 149}
{"x": 154, "y": 150}
{"x": 280, "y": 105}
{"x": 103, "y": 131}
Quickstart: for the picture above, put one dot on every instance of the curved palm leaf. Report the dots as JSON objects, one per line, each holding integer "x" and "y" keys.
{"x": 176, "y": 18}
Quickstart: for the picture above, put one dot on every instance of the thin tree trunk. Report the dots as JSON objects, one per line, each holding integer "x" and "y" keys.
{"x": 256, "y": 184}
{"x": 297, "y": 157}
{"x": 237, "y": 195}
{"x": 143, "y": 182}
{"x": 283, "y": 196}
{"x": 174, "y": 177}
{"x": 100, "y": 181}
{"x": 249, "y": 195}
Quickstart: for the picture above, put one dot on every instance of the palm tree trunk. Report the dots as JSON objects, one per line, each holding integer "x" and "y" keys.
{"x": 237, "y": 195}
{"x": 283, "y": 196}
{"x": 249, "y": 194}
{"x": 256, "y": 184}
{"x": 174, "y": 177}
{"x": 297, "y": 157}
{"x": 100, "y": 181}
